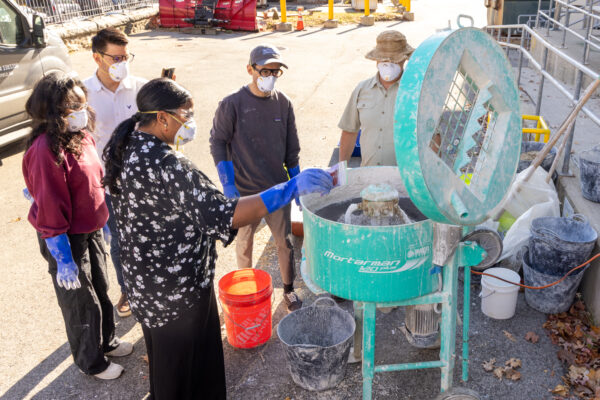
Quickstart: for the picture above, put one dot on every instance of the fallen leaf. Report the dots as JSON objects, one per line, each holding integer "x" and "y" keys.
{"x": 560, "y": 390}
{"x": 578, "y": 332}
{"x": 488, "y": 366}
{"x": 532, "y": 337}
{"x": 145, "y": 359}
{"x": 499, "y": 372}
{"x": 566, "y": 356}
{"x": 512, "y": 374}
{"x": 15, "y": 220}
{"x": 513, "y": 363}
{"x": 509, "y": 336}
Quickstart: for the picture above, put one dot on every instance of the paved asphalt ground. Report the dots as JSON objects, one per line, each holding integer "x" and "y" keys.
{"x": 325, "y": 65}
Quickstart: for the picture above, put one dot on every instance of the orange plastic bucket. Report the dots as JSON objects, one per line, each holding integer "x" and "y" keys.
{"x": 245, "y": 297}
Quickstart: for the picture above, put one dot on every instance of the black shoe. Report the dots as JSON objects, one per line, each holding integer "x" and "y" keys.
{"x": 292, "y": 301}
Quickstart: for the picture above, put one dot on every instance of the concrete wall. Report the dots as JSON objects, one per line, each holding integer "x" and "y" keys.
{"x": 77, "y": 34}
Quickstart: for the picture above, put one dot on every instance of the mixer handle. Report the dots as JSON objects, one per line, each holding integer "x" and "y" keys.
{"x": 318, "y": 302}
{"x": 465, "y": 16}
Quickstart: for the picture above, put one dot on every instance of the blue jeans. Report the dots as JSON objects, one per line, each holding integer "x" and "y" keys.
{"x": 114, "y": 243}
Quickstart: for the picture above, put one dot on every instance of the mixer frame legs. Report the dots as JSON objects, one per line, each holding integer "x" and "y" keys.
{"x": 364, "y": 337}
{"x": 448, "y": 326}
{"x": 368, "y": 357}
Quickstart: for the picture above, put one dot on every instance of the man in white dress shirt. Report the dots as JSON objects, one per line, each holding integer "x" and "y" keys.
{"x": 111, "y": 93}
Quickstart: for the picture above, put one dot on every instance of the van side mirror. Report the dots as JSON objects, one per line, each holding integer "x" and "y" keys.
{"x": 38, "y": 34}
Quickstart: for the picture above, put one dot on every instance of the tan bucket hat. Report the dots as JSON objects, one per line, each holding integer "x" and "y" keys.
{"x": 391, "y": 47}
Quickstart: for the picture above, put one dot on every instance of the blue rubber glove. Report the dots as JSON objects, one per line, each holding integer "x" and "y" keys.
{"x": 292, "y": 172}
{"x": 60, "y": 248}
{"x": 308, "y": 181}
{"x": 106, "y": 233}
{"x": 27, "y": 195}
{"x": 226, "y": 176}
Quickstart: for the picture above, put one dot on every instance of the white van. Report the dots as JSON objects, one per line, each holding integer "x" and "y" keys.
{"x": 27, "y": 52}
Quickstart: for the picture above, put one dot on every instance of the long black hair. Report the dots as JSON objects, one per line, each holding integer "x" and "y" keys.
{"x": 47, "y": 106}
{"x": 159, "y": 94}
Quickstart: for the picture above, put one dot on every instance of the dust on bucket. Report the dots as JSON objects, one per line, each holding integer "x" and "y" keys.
{"x": 499, "y": 298}
{"x": 245, "y": 297}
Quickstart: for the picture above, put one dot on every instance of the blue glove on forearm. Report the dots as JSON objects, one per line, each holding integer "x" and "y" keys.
{"x": 60, "y": 248}
{"x": 308, "y": 181}
{"x": 106, "y": 233}
{"x": 27, "y": 195}
{"x": 226, "y": 176}
{"x": 292, "y": 172}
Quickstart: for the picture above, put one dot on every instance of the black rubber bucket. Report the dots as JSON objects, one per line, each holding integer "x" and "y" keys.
{"x": 589, "y": 174}
{"x": 526, "y": 147}
{"x": 558, "y": 244}
{"x": 552, "y": 300}
{"x": 317, "y": 340}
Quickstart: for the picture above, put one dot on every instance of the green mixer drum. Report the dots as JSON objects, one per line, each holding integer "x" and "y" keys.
{"x": 367, "y": 263}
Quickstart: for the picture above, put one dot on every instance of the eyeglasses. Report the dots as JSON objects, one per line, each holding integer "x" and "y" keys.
{"x": 187, "y": 114}
{"x": 266, "y": 72}
{"x": 117, "y": 59}
{"x": 77, "y": 106}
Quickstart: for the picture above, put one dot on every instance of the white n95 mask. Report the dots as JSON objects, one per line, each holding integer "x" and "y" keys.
{"x": 389, "y": 71}
{"x": 77, "y": 120}
{"x": 119, "y": 71}
{"x": 186, "y": 133}
{"x": 267, "y": 84}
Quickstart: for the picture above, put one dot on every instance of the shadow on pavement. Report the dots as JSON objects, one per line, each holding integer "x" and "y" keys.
{"x": 72, "y": 384}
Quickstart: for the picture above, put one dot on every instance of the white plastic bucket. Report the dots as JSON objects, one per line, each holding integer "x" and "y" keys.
{"x": 499, "y": 298}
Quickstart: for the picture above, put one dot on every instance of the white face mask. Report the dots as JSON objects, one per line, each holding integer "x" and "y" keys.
{"x": 267, "y": 84}
{"x": 77, "y": 120}
{"x": 389, "y": 71}
{"x": 118, "y": 71}
{"x": 186, "y": 133}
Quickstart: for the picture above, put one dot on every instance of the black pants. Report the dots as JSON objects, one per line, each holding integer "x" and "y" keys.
{"x": 87, "y": 311}
{"x": 186, "y": 355}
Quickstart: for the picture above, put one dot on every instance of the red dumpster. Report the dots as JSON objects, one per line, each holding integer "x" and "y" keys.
{"x": 228, "y": 14}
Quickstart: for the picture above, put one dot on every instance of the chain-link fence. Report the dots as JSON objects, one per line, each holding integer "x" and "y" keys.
{"x": 59, "y": 11}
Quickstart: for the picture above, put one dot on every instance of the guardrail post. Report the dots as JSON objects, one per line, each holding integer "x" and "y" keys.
{"x": 538, "y": 105}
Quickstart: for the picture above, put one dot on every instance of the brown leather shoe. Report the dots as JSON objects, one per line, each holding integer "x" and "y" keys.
{"x": 123, "y": 309}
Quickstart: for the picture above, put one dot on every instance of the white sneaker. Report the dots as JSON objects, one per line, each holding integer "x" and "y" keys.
{"x": 112, "y": 372}
{"x": 124, "y": 349}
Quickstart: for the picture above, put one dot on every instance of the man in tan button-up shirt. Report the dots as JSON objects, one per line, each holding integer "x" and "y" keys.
{"x": 371, "y": 105}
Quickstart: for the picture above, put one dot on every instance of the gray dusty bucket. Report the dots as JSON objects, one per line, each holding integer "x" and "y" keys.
{"x": 552, "y": 300}
{"x": 317, "y": 340}
{"x": 558, "y": 244}
{"x": 589, "y": 174}
{"x": 536, "y": 146}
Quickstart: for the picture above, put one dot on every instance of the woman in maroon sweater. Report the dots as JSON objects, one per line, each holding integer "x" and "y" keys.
{"x": 63, "y": 175}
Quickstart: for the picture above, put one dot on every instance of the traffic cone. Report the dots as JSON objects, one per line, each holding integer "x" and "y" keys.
{"x": 300, "y": 23}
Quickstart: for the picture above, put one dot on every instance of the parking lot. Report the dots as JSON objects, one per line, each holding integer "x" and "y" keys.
{"x": 325, "y": 65}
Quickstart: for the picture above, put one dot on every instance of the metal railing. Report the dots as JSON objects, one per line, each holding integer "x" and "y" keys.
{"x": 60, "y": 11}
{"x": 518, "y": 38}
{"x": 560, "y": 18}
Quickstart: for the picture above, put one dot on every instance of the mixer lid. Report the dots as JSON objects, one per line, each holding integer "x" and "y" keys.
{"x": 457, "y": 126}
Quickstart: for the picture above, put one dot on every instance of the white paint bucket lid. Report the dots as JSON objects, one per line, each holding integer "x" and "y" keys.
{"x": 497, "y": 284}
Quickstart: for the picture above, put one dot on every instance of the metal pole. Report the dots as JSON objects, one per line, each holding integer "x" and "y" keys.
{"x": 537, "y": 15}
{"x": 521, "y": 58}
{"x": 330, "y": 16}
{"x": 367, "y": 8}
{"x": 538, "y": 105}
{"x": 568, "y": 17}
{"x": 549, "y": 17}
{"x": 586, "y": 43}
{"x": 569, "y": 145}
{"x": 283, "y": 11}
